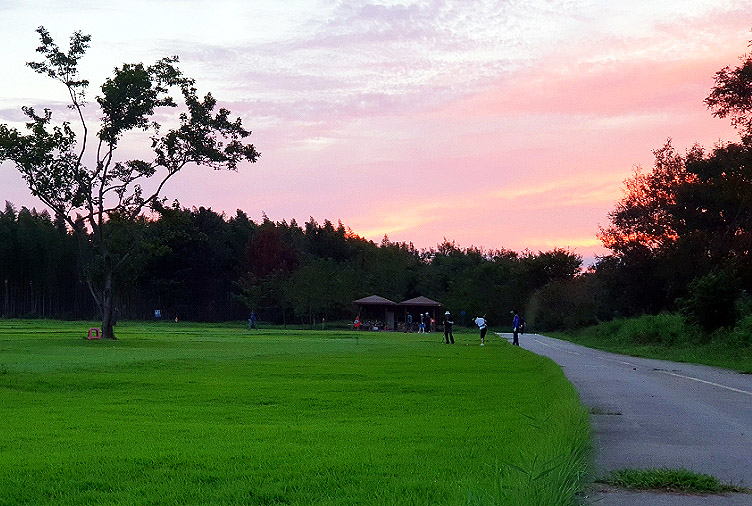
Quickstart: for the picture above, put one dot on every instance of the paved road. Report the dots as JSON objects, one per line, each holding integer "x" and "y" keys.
{"x": 654, "y": 413}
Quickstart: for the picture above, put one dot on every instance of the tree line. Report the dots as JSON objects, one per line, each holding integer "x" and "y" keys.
{"x": 197, "y": 264}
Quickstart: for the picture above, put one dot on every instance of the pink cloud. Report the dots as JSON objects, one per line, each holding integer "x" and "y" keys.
{"x": 599, "y": 89}
{"x": 429, "y": 120}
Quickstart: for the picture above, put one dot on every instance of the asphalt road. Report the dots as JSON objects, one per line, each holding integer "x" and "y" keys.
{"x": 653, "y": 413}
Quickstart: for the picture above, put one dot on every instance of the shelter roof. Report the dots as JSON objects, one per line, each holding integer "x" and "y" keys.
{"x": 421, "y": 301}
{"x": 374, "y": 300}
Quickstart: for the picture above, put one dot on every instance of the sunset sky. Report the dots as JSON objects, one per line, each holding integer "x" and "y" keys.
{"x": 501, "y": 124}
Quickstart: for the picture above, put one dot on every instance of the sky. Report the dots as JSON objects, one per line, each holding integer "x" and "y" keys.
{"x": 495, "y": 124}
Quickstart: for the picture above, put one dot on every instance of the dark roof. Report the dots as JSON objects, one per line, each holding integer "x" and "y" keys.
{"x": 374, "y": 300}
{"x": 421, "y": 301}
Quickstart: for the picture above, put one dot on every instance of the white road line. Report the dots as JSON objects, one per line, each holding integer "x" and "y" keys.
{"x": 617, "y": 361}
{"x": 557, "y": 347}
{"x": 707, "y": 382}
{"x": 664, "y": 372}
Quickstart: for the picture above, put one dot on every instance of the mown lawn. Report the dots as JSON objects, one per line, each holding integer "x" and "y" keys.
{"x": 216, "y": 415}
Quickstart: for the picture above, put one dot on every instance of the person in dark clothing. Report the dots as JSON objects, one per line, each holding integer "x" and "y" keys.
{"x": 448, "y": 328}
{"x": 252, "y": 320}
{"x": 516, "y": 328}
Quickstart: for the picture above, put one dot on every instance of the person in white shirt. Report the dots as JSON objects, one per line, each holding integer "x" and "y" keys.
{"x": 483, "y": 326}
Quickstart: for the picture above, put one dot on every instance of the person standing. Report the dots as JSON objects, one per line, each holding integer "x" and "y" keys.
{"x": 483, "y": 326}
{"x": 516, "y": 328}
{"x": 252, "y": 320}
{"x": 428, "y": 323}
{"x": 448, "y": 328}
{"x": 422, "y": 325}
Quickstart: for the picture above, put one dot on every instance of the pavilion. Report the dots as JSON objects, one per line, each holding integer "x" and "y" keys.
{"x": 390, "y": 313}
{"x": 421, "y": 305}
{"x": 377, "y": 308}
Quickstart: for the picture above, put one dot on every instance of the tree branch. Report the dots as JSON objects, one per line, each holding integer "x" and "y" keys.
{"x": 170, "y": 172}
{"x": 83, "y": 124}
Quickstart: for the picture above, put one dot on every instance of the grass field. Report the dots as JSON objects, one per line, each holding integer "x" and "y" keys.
{"x": 216, "y": 415}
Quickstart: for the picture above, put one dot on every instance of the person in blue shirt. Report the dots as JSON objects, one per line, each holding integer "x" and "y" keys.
{"x": 516, "y": 328}
{"x": 252, "y": 320}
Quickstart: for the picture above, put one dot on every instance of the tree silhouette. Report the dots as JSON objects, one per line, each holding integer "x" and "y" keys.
{"x": 53, "y": 160}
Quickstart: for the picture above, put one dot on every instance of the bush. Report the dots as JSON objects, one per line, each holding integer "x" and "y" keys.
{"x": 711, "y": 303}
{"x": 664, "y": 329}
{"x": 741, "y": 335}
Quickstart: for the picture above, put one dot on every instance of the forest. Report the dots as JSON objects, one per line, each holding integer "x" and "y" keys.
{"x": 199, "y": 265}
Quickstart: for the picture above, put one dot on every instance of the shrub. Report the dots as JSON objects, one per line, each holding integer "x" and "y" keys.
{"x": 741, "y": 335}
{"x": 711, "y": 302}
{"x": 665, "y": 329}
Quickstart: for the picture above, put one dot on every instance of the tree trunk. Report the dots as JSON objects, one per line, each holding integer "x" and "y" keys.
{"x": 108, "y": 304}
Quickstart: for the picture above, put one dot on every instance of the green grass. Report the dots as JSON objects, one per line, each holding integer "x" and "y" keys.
{"x": 215, "y": 415}
{"x": 667, "y": 337}
{"x": 674, "y": 480}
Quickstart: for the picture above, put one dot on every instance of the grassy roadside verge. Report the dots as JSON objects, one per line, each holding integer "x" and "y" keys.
{"x": 214, "y": 414}
{"x": 670, "y": 480}
{"x": 667, "y": 337}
